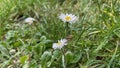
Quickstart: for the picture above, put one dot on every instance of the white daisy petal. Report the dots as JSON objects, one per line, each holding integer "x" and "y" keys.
{"x": 61, "y": 43}
{"x": 68, "y": 18}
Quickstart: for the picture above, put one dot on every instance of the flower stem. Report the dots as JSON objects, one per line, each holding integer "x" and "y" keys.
{"x": 63, "y": 59}
{"x": 67, "y": 29}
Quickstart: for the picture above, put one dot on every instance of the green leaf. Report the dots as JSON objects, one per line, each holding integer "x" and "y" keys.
{"x": 69, "y": 56}
{"x": 76, "y": 57}
{"x": 4, "y": 51}
{"x": 23, "y": 59}
{"x": 46, "y": 56}
{"x": 117, "y": 32}
{"x": 26, "y": 65}
{"x": 16, "y": 44}
{"x": 38, "y": 49}
{"x": 42, "y": 38}
{"x": 56, "y": 54}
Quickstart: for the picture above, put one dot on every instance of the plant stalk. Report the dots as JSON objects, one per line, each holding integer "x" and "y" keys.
{"x": 67, "y": 29}
{"x": 63, "y": 59}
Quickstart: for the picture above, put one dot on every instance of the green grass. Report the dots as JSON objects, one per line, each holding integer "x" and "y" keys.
{"x": 95, "y": 42}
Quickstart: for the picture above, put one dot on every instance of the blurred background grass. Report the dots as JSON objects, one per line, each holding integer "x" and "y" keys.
{"x": 96, "y": 35}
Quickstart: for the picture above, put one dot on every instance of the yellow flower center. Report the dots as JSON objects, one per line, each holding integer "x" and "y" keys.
{"x": 67, "y": 18}
{"x": 59, "y": 43}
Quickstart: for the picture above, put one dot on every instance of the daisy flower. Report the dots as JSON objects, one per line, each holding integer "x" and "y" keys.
{"x": 68, "y": 18}
{"x": 29, "y": 20}
{"x": 60, "y": 44}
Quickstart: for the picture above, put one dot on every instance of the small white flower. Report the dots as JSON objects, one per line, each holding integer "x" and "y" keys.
{"x": 61, "y": 43}
{"x": 68, "y": 18}
{"x": 29, "y": 20}
{"x": 12, "y": 51}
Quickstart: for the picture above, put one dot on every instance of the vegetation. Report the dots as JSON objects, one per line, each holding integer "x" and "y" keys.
{"x": 94, "y": 40}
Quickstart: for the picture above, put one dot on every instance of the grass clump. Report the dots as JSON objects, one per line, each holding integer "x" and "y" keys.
{"x": 93, "y": 41}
